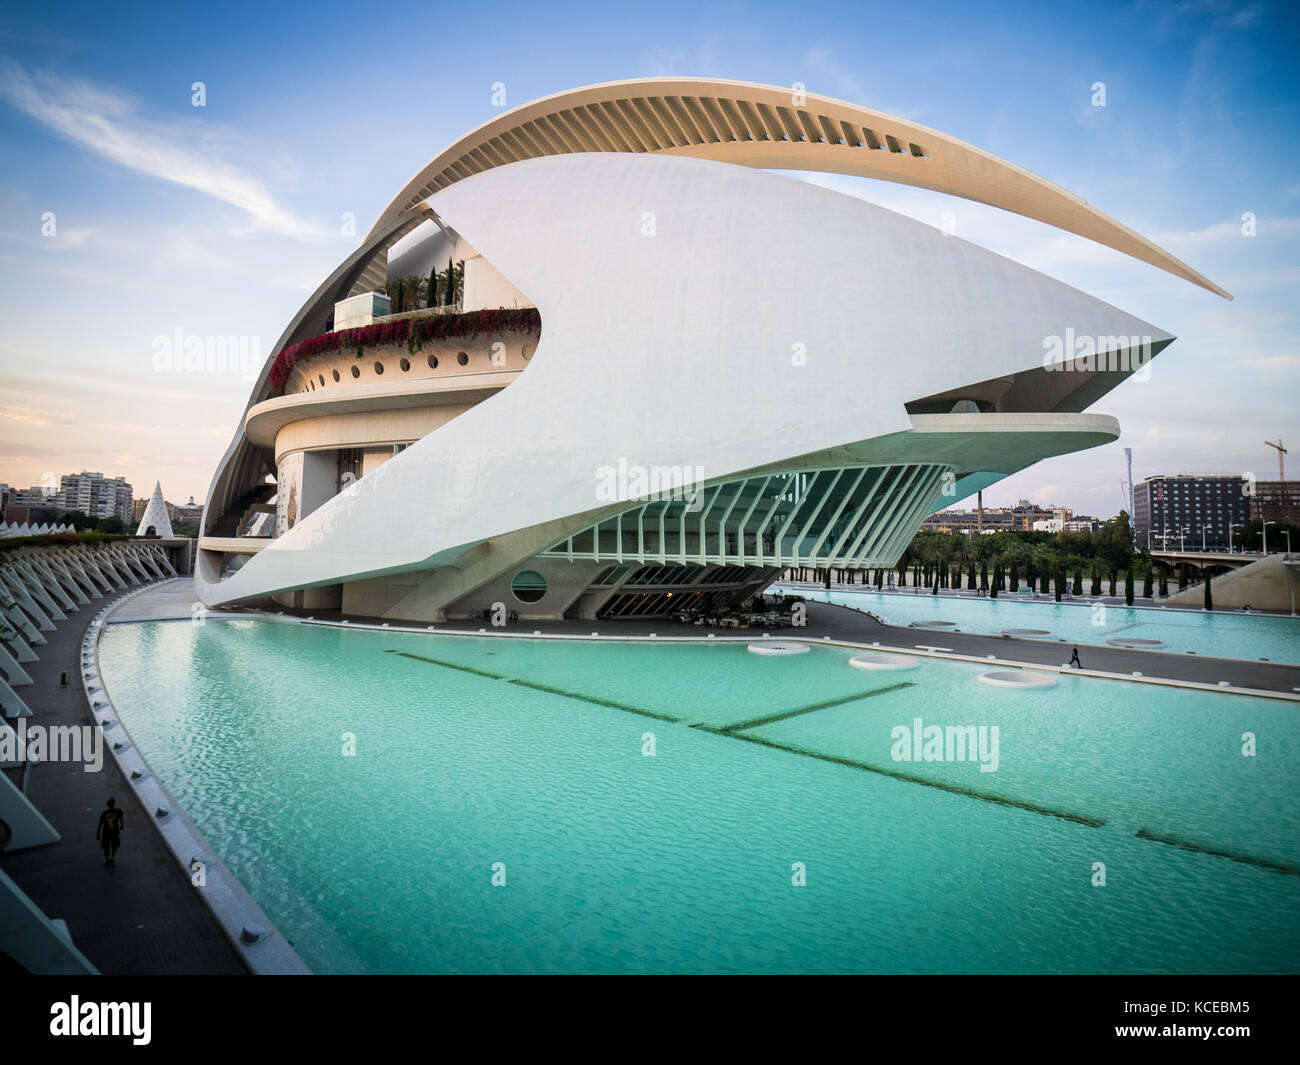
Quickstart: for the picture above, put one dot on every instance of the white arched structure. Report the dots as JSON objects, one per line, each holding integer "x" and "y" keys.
{"x": 770, "y": 128}
{"x": 821, "y": 371}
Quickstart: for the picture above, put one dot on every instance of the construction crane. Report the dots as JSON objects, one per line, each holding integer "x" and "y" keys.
{"x": 1281, "y": 468}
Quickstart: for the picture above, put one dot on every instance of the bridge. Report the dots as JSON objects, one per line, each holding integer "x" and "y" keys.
{"x": 1214, "y": 561}
{"x": 1211, "y": 561}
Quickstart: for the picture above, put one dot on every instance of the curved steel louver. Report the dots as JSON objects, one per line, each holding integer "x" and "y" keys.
{"x": 771, "y": 127}
{"x": 849, "y": 517}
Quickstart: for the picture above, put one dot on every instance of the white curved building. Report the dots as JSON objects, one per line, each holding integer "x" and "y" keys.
{"x": 668, "y": 370}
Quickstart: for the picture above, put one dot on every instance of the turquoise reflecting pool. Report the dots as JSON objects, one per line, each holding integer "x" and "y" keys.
{"x": 527, "y": 757}
{"x": 1223, "y": 635}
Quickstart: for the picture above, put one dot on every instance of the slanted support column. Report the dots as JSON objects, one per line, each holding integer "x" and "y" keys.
{"x": 127, "y": 557}
{"x": 75, "y": 567}
{"x": 131, "y": 558}
{"x": 24, "y": 599}
{"x": 104, "y": 564}
{"x": 50, "y": 582}
{"x": 12, "y": 670}
{"x": 23, "y": 573}
{"x": 11, "y": 704}
{"x": 93, "y": 573}
{"x": 33, "y": 940}
{"x": 29, "y": 828}
{"x": 64, "y": 581}
{"x": 145, "y": 559}
{"x": 10, "y": 609}
{"x": 9, "y": 666}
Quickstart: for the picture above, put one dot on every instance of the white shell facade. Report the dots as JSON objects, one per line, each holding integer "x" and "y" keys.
{"x": 811, "y": 374}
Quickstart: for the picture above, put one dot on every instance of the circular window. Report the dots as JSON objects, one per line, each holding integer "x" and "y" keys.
{"x": 527, "y": 351}
{"x": 433, "y": 362}
{"x": 405, "y": 364}
{"x": 462, "y": 358}
{"x": 379, "y": 367}
{"x": 336, "y": 375}
{"x": 528, "y": 586}
{"x": 356, "y": 372}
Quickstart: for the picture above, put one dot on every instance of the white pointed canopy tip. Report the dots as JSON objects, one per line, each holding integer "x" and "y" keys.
{"x": 155, "y": 516}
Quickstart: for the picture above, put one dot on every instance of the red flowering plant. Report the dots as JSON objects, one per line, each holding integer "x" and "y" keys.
{"x": 413, "y": 332}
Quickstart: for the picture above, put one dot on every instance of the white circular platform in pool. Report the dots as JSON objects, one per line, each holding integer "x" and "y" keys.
{"x": 1135, "y": 643}
{"x": 1014, "y": 678}
{"x": 1033, "y": 633}
{"x": 933, "y": 625}
{"x": 877, "y": 660}
{"x": 778, "y": 647}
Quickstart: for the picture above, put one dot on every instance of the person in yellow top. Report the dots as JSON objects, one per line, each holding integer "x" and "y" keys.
{"x": 109, "y": 832}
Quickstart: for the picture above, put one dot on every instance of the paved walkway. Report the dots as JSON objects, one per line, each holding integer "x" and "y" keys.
{"x": 164, "y": 601}
{"x": 1197, "y": 669}
{"x": 141, "y": 916}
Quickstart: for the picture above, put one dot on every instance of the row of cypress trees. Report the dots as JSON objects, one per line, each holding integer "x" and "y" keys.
{"x": 942, "y": 576}
{"x": 441, "y": 289}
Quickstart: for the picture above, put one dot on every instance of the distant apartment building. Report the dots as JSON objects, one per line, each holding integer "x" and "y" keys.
{"x": 1277, "y": 501}
{"x": 1023, "y": 517}
{"x": 14, "y": 509}
{"x": 1189, "y": 510}
{"x": 1056, "y": 522}
{"x": 96, "y": 495}
{"x": 965, "y": 521}
{"x": 35, "y": 496}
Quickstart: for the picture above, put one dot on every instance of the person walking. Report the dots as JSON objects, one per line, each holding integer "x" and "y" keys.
{"x": 109, "y": 832}
{"x": 1074, "y": 660}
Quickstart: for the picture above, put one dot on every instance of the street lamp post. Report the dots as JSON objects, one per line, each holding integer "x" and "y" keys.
{"x": 1182, "y": 539}
{"x": 1204, "y": 528}
{"x": 1230, "y": 528}
{"x": 1263, "y": 531}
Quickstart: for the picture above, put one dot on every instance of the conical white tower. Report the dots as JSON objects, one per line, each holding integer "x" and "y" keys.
{"x": 155, "y": 516}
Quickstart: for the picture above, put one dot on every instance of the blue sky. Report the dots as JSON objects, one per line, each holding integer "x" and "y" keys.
{"x": 222, "y": 219}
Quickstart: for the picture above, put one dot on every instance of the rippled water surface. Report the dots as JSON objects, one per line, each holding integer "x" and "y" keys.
{"x": 475, "y": 754}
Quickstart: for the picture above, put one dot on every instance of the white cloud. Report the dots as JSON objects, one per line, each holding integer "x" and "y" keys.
{"x": 29, "y": 416}
{"x": 828, "y": 77}
{"x": 107, "y": 125}
{"x": 1275, "y": 364}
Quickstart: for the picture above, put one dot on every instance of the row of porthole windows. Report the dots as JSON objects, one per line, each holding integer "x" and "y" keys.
{"x": 462, "y": 359}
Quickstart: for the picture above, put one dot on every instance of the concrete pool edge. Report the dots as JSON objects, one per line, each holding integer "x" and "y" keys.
{"x": 255, "y": 938}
